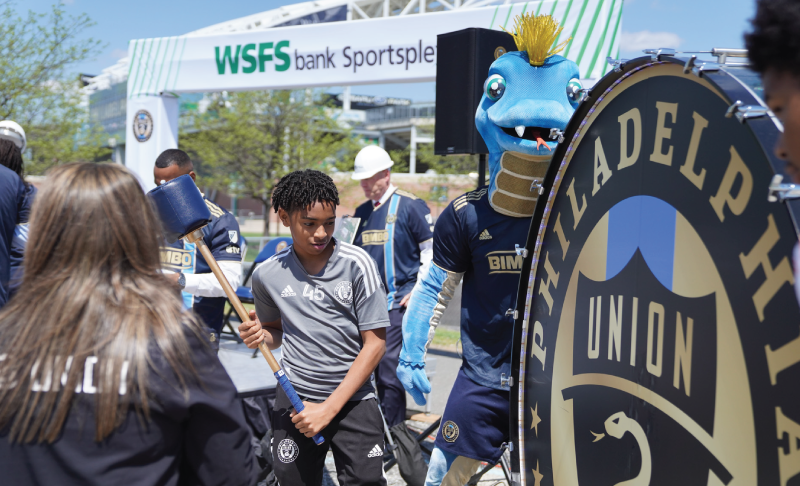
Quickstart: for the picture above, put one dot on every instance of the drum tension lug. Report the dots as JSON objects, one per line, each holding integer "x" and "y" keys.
{"x": 742, "y": 112}
{"x": 536, "y": 185}
{"x": 704, "y": 67}
{"x": 687, "y": 68}
{"x": 556, "y": 134}
{"x": 617, "y": 63}
{"x": 506, "y": 380}
{"x": 512, "y": 312}
{"x": 782, "y": 192}
{"x": 523, "y": 252}
{"x": 655, "y": 54}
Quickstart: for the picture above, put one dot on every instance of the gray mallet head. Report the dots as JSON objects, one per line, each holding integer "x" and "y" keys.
{"x": 180, "y": 206}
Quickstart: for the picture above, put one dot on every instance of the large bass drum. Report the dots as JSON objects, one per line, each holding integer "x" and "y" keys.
{"x": 657, "y": 339}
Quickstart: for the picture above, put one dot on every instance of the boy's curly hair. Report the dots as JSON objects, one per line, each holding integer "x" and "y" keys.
{"x": 774, "y": 41}
{"x": 302, "y": 188}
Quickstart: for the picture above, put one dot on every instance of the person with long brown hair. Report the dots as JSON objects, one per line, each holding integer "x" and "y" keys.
{"x": 104, "y": 379}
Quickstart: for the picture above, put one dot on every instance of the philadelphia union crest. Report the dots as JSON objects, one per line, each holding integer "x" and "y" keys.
{"x": 344, "y": 292}
{"x": 287, "y": 450}
{"x": 450, "y": 431}
{"x": 142, "y": 125}
{"x": 659, "y": 333}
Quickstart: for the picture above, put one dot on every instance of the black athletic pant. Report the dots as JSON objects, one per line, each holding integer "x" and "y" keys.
{"x": 390, "y": 391}
{"x": 355, "y": 436}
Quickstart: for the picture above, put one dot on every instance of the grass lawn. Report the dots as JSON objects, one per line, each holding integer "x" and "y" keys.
{"x": 445, "y": 337}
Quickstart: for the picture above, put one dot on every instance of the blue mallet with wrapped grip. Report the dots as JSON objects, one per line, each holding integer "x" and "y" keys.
{"x": 183, "y": 214}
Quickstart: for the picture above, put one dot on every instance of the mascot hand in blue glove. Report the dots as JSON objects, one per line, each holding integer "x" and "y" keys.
{"x": 529, "y": 96}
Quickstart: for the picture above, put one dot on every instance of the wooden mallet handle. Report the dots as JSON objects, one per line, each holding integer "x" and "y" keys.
{"x": 196, "y": 237}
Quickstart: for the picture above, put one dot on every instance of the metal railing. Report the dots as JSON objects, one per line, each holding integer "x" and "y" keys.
{"x": 389, "y": 113}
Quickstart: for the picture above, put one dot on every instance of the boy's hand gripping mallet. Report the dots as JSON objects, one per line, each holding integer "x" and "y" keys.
{"x": 183, "y": 214}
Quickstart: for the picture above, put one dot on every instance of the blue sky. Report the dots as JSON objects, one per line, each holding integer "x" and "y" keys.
{"x": 682, "y": 24}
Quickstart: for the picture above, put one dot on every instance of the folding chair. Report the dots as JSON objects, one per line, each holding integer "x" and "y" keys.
{"x": 244, "y": 291}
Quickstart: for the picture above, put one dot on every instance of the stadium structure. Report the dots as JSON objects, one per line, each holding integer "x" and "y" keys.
{"x": 391, "y": 122}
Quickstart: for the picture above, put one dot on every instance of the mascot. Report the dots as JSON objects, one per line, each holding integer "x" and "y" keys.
{"x": 529, "y": 96}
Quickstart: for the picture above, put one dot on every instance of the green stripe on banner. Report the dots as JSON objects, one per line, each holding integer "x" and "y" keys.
{"x": 132, "y": 82}
{"x": 144, "y": 60}
{"x": 553, "y": 10}
{"x": 614, "y": 36}
{"x": 564, "y": 19}
{"x": 493, "y": 17}
{"x": 171, "y": 62}
{"x": 139, "y": 67}
{"x": 589, "y": 32}
{"x": 575, "y": 30}
{"x": 179, "y": 64}
{"x": 539, "y": 8}
{"x": 153, "y": 69}
{"x": 133, "y": 57}
{"x": 163, "y": 61}
{"x": 524, "y": 8}
{"x": 510, "y": 7}
{"x": 602, "y": 39}
{"x": 131, "y": 61}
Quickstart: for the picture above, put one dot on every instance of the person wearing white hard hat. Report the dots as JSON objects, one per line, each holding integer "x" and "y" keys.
{"x": 396, "y": 230}
{"x": 12, "y": 144}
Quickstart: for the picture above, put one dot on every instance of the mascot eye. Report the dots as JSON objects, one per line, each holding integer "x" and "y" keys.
{"x": 574, "y": 90}
{"x": 494, "y": 87}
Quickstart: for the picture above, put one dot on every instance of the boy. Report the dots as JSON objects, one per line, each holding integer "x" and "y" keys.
{"x": 773, "y": 47}
{"x": 324, "y": 301}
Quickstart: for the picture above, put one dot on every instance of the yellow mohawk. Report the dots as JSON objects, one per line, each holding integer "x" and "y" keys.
{"x": 535, "y": 34}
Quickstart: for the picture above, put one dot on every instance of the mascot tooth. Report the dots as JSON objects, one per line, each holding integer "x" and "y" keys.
{"x": 528, "y": 98}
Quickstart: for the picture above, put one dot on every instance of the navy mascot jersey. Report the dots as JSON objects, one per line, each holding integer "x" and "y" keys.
{"x": 473, "y": 238}
{"x": 223, "y": 239}
{"x": 391, "y": 235}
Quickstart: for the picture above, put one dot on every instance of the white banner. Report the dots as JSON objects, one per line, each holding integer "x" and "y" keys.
{"x": 390, "y": 49}
{"x": 152, "y": 128}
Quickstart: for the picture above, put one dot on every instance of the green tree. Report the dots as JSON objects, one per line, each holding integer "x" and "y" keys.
{"x": 249, "y": 140}
{"x": 38, "y": 91}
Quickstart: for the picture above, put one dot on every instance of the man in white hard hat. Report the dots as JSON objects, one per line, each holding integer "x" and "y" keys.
{"x": 12, "y": 144}
{"x": 397, "y": 231}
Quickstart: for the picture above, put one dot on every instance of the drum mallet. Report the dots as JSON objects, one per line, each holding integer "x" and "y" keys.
{"x": 183, "y": 214}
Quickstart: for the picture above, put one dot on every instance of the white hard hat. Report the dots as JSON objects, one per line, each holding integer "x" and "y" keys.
{"x": 371, "y": 160}
{"x": 10, "y": 130}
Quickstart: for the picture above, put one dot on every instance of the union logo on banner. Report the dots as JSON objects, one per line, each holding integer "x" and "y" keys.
{"x": 142, "y": 125}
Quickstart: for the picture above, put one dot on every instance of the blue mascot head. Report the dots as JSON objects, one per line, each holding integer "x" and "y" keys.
{"x": 528, "y": 98}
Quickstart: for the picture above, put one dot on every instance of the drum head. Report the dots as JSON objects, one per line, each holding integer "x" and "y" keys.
{"x": 658, "y": 339}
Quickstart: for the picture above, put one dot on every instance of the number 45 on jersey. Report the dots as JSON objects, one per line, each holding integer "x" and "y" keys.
{"x": 313, "y": 293}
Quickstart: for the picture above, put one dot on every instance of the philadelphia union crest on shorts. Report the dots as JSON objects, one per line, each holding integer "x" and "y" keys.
{"x": 344, "y": 292}
{"x": 660, "y": 333}
{"x": 287, "y": 451}
{"x": 142, "y": 125}
{"x": 450, "y": 431}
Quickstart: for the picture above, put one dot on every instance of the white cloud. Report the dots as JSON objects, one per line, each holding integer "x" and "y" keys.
{"x": 644, "y": 39}
{"x": 119, "y": 53}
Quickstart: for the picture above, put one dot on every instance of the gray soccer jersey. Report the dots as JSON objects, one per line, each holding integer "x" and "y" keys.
{"x": 322, "y": 315}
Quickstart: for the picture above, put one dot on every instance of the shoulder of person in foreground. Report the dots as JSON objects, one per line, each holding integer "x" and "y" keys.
{"x": 216, "y": 439}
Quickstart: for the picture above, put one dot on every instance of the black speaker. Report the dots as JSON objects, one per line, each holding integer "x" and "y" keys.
{"x": 462, "y": 65}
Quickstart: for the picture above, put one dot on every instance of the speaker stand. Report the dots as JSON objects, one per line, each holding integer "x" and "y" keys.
{"x": 481, "y": 170}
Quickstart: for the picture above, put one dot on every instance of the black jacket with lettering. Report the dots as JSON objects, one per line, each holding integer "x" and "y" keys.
{"x": 202, "y": 440}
